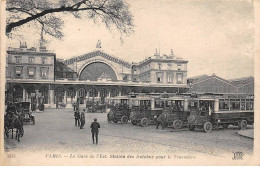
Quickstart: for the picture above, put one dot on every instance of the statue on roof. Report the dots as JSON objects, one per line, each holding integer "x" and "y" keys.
{"x": 98, "y": 44}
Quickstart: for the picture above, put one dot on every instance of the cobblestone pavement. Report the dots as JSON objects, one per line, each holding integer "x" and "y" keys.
{"x": 55, "y": 131}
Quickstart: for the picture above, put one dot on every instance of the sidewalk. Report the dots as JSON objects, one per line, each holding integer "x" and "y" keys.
{"x": 249, "y": 133}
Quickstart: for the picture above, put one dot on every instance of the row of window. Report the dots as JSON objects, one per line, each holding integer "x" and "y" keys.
{"x": 179, "y": 77}
{"x": 30, "y": 72}
{"x": 147, "y": 67}
{"x": 236, "y": 104}
{"x": 31, "y": 60}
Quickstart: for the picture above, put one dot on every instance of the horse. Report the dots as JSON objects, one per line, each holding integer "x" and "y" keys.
{"x": 10, "y": 124}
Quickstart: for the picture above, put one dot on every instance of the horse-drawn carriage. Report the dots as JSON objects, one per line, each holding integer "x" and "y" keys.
{"x": 26, "y": 113}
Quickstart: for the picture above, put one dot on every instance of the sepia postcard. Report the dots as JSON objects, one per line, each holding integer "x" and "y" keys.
{"x": 130, "y": 83}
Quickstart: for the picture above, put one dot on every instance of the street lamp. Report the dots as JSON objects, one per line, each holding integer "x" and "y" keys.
{"x": 13, "y": 94}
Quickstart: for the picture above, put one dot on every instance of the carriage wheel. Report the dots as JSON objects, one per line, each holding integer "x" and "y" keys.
{"x": 243, "y": 124}
{"x": 144, "y": 122}
{"x": 124, "y": 119}
{"x": 191, "y": 127}
{"x": 177, "y": 124}
{"x": 115, "y": 120}
{"x": 207, "y": 127}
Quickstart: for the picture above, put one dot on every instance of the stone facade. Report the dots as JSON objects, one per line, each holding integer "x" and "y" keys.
{"x": 35, "y": 75}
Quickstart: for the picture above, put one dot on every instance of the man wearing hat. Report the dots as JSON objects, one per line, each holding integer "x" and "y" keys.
{"x": 94, "y": 130}
{"x": 82, "y": 119}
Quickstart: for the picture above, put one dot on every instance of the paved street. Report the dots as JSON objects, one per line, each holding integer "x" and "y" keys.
{"x": 55, "y": 131}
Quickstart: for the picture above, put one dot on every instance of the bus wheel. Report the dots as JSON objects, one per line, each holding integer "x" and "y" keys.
{"x": 207, "y": 127}
{"x": 115, "y": 120}
{"x": 243, "y": 125}
{"x": 225, "y": 126}
{"x": 124, "y": 119}
{"x": 191, "y": 127}
{"x": 177, "y": 124}
{"x": 133, "y": 122}
{"x": 144, "y": 122}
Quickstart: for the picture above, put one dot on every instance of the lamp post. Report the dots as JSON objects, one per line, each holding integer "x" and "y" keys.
{"x": 13, "y": 94}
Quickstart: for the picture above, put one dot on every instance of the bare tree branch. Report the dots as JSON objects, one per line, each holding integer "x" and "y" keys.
{"x": 111, "y": 12}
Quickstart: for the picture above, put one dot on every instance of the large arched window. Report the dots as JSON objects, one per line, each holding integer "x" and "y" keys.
{"x": 81, "y": 93}
{"x": 114, "y": 93}
{"x": 97, "y": 70}
{"x": 71, "y": 93}
{"x": 92, "y": 93}
{"x": 59, "y": 93}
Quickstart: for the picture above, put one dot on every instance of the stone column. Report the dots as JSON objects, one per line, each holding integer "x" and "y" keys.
{"x": 65, "y": 97}
{"x": 37, "y": 99}
{"x": 24, "y": 95}
{"x": 216, "y": 105}
{"x": 186, "y": 104}
{"x": 98, "y": 97}
{"x": 51, "y": 102}
{"x": 152, "y": 103}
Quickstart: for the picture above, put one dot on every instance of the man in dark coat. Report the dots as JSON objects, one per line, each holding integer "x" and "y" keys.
{"x": 161, "y": 120}
{"x": 77, "y": 118}
{"x": 82, "y": 119}
{"x": 94, "y": 130}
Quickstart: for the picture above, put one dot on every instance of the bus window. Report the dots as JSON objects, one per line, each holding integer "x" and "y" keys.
{"x": 135, "y": 103}
{"x": 168, "y": 103}
{"x": 243, "y": 104}
{"x": 193, "y": 104}
{"x": 223, "y": 104}
{"x": 179, "y": 105}
{"x": 124, "y": 101}
{"x": 247, "y": 104}
{"x": 251, "y": 104}
{"x": 235, "y": 104}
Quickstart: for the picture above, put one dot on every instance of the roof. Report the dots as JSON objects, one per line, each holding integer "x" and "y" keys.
{"x": 201, "y": 78}
{"x": 94, "y": 54}
{"x": 242, "y": 81}
{"x": 61, "y": 67}
{"x": 196, "y": 79}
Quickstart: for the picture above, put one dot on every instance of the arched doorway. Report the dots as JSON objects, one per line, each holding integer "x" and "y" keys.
{"x": 71, "y": 93}
{"x": 17, "y": 93}
{"x": 103, "y": 95}
{"x": 124, "y": 92}
{"x": 45, "y": 94}
{"x": 114, "y": 93}
{"x": 81, "y": 95}
{"x": 59, "y": 93}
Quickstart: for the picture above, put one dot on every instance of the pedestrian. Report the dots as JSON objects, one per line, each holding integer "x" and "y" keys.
{"x": 94, "y": 130}
{"x": 77, "y": 118}
{"x": 82, "y": 119}
{"x": 57, "y": 104}
{"x": 161, "y": 120}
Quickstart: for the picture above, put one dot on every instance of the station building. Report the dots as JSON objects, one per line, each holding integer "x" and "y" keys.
{"x": 34, "y": 74}
{"x": 218, "y": 85}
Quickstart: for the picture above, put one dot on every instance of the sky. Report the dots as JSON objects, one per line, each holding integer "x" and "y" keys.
{"x": 214, "y": 36}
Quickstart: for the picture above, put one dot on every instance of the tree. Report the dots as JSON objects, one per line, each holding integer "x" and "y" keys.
{"x": 46, "y": 15}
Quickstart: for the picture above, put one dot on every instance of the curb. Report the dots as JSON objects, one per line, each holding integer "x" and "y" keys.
{"x": 244, "y": 135}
